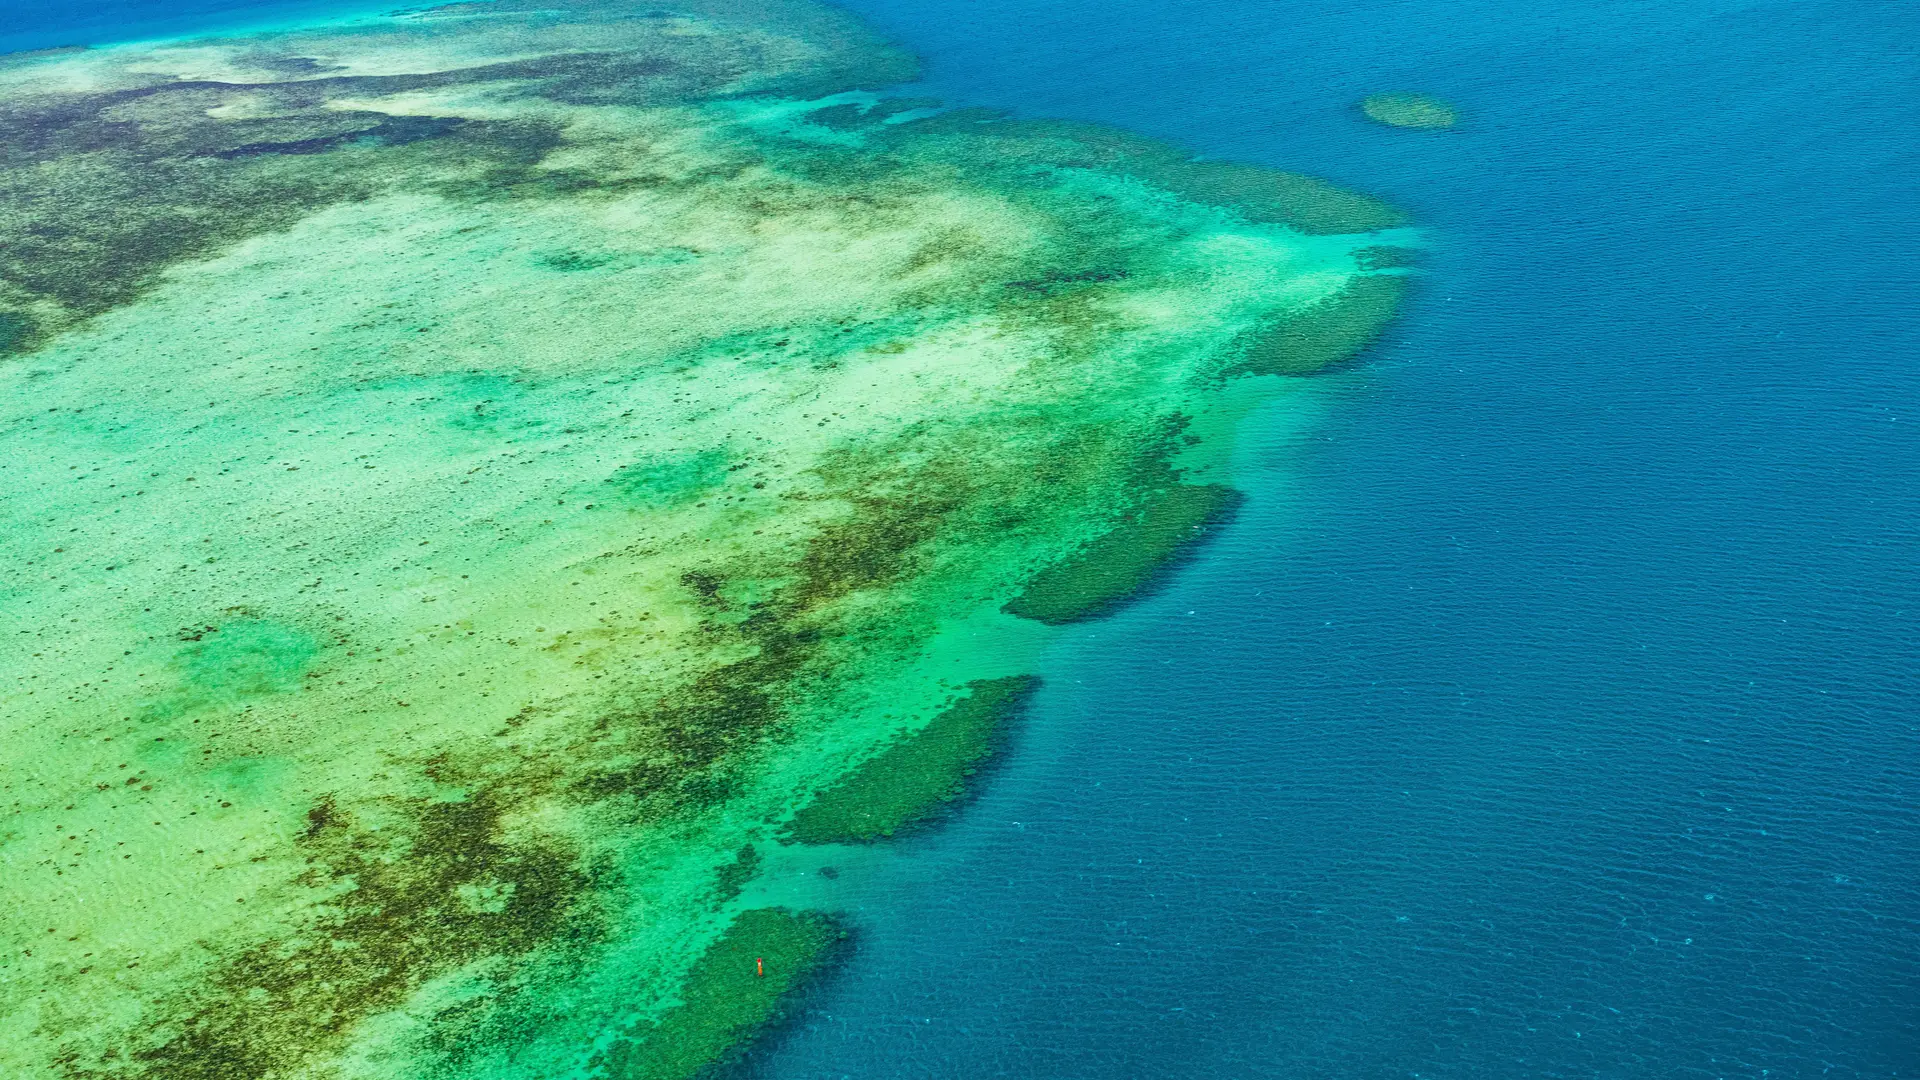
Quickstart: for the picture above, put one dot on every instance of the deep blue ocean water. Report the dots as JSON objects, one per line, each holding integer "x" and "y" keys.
{"x": 1551, "y": 709}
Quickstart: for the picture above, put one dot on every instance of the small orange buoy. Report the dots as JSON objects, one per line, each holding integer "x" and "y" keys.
{"x": 760, "y": 966}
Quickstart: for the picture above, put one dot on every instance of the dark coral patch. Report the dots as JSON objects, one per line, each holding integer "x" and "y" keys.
{"x": 16, "y": 331}
{"x": 872, "y": 548}
{"x": 912, "y": 781}
{"x": 733, "y": 993}
{"x": 393, "y": 131}
{"x": 733, "y": 876}
{"x": 1337, "y": 328}
{"x": 1128, "y": 559}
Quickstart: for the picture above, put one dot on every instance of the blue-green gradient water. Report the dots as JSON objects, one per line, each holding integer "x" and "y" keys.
{"x": 1551, "y": 709}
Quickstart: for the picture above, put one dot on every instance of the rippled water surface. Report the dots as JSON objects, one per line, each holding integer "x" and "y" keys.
{"x": 1550, "y": 710}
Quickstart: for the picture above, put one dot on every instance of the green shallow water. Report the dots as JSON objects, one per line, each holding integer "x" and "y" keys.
{"x": 478, "y": 472}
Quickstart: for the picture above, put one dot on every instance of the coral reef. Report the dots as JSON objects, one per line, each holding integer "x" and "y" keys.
{"x": 476, "y": 472}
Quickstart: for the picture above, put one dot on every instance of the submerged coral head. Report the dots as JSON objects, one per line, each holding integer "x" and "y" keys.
{"x": 1404, "y": 110}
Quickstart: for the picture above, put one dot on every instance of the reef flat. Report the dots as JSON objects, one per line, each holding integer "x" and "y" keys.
{"x": 474, "y": 475}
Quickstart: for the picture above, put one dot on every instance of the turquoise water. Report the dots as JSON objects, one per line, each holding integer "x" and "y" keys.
{"x": 1550, "y": 711}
